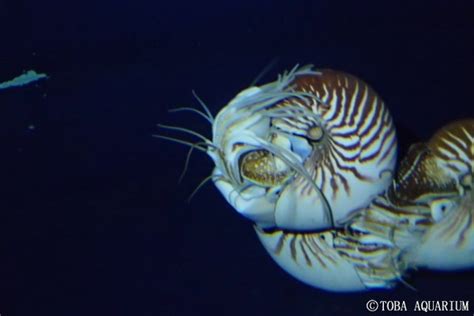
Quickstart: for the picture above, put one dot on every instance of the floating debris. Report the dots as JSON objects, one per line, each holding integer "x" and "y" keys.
{"x": 24, "y": 79}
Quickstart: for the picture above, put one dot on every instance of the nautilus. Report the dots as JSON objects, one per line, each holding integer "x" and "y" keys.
{"x": 428, "y": 210}
{"x": 304, "y": 151}
{"x": 310, "y": 160}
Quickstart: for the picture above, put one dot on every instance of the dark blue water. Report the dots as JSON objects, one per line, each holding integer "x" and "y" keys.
{"x": 93, "y": 220}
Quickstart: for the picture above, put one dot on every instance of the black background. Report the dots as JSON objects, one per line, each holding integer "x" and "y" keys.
{"x": 93, "y": 220}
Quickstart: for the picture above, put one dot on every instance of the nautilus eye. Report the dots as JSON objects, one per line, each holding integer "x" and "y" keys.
{"x": 467, "y": 181}
{"x": 440, "y": 207}
{"x": 315, "y": 133}
{"x": 263, "y": 168}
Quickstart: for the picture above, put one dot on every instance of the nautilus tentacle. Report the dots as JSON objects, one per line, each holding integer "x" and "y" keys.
{"x": 302, "y": 152}
{"x": 428, "y": 211}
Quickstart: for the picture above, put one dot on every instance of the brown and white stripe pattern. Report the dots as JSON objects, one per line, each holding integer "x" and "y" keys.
{"x": 320, "y": 143}
{"x": 425, "y": 219}
{"x": 334, "y": 260}
{"x": 358, "y": 128}
{"x": 428, "y": 211}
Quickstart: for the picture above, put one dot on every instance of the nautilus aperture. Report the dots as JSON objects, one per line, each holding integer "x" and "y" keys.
{"x": 304, "y": 151}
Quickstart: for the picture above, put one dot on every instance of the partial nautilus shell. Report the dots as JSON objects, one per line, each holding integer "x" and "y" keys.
{"x": 335, "y": 260}
{"x": 428, "y": 211}
{"x": 302, "y": 152}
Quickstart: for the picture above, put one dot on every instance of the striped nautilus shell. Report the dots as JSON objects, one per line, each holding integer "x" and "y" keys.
{"x": 428, "y": 210}
{"x": 302, "y": 152}
{"x": 338, "y": 259}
